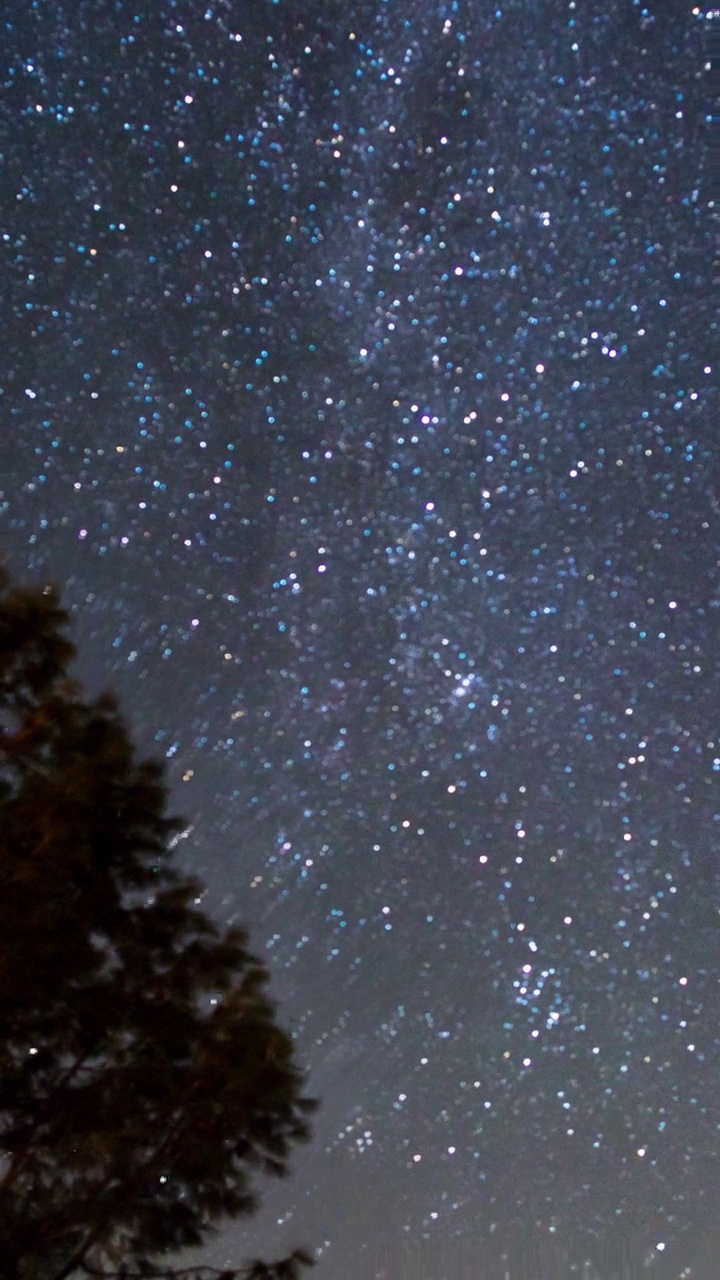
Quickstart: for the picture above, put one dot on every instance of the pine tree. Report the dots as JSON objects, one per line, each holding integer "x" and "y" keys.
{"x": 144, "y": 1078}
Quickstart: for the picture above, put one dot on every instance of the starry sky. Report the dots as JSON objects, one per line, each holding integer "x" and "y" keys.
{"x": 357, "y": 386}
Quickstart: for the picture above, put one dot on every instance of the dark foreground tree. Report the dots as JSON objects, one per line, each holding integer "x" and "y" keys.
{"x": 144, "y": 1079}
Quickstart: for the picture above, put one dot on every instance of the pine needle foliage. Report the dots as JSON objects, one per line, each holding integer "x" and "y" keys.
{"x": 144, "y": 1078}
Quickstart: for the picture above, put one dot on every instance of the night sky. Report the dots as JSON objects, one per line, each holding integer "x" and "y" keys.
{"x": 357, "y": 387}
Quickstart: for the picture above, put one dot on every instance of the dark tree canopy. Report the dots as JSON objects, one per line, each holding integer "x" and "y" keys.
{"x": 144, "y": 1078}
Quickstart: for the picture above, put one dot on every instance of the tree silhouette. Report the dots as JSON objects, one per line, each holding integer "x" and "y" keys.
{"x": 144, "y": 1079}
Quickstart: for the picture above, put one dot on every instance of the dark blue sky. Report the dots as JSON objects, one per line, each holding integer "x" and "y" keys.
{"x": 358, "y": 379}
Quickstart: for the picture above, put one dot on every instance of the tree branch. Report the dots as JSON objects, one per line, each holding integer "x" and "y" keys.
{"x": 19, "y": 1159}
{"x": 286, "y": 1269}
